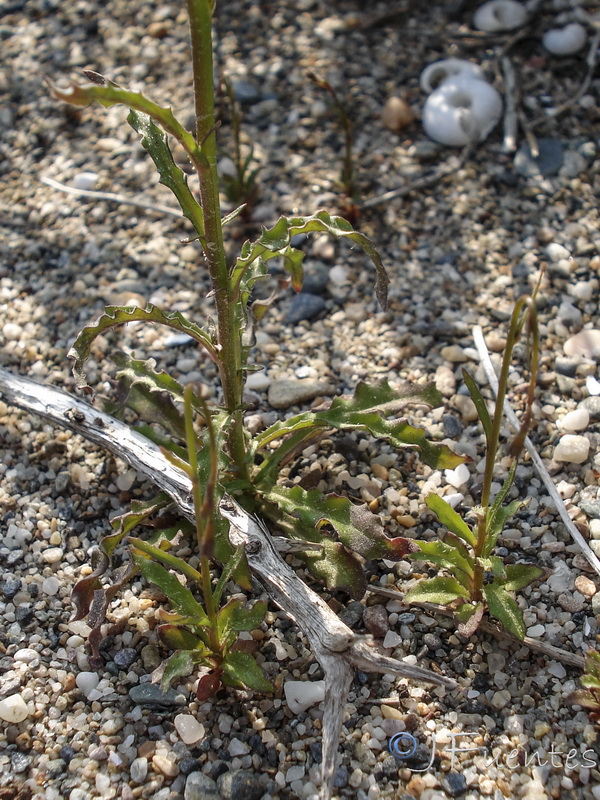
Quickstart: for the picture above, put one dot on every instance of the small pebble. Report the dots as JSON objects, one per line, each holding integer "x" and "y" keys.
{"x": 189, "y": 729}
{"x": 548, "y": 162}
{"x": 138, "y": 770}
{"x": 396, "y": 114}
{"x": 585, "y": 586}
{"x": 50, "y": 586}
{"x": 392, "y": 639}
{"x": 375, "y": 619}
{"x": 199, "y": 786}
{"x": 301, "y": 695}
{"x": 87, "y": 682}
{"x": 571, "y": 448}
{"x": 286, "y": 393}
{"x": 458, "y": 477}
{"x": 165, "y": 766}
{"x": 13, "y": 709}
{"x": 52, "y": 555}
{"x": 26, "y": 655}
{"x": 85, "y": 181}
{"x": 466, "y": 407}
{"x": 585, "y": 344}
{"x": 577, "y": 420}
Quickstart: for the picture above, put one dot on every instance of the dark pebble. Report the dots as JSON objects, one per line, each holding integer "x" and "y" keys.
{"x": 454, "y": 784}
{"x": 316, "y": 752}
{"x": 255, "y": 743}
{"x": 240, "y": 785}
{"x": 452, "y": 426}
{"x": 298, "y": 240}
{"x": 566, "y": 366}
{"x": 66, "y": 753}
{"x": 316, "y": 279}
{"x": 188, "y": 765}
{"x": 10, "y": 587}
{"x": 156, "y": 733}
{"x": 149, "y": 694}
{"x": 126, "y": 657}
{"x": 406, "y": 618}
{"x": 458, "y": 665}
{"x": 24, "y": 615}
{"x": 272, "y": 757}
{"x": 304, "y": 306}
{"x": 432, "y": 641}
{"x": 352, "y": 614}
{"x": 340, "y": 778}
{"x": 220, "y": 767}
{"x": 592, "y": 404}
{"x": 375, "y": 620}
{"x": 390, "y": 767}
{"x": 20, "y": 762}
{"x": 548, "y": 162}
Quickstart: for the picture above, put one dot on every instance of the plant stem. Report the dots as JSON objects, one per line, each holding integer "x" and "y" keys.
{"x": 228, "y": 324}
{"x": 206, "y": 584}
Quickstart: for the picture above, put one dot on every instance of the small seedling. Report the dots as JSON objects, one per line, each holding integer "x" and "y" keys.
{"x": 351, "y": 200}
{"x": 240, "y": 186}
{"x": 589, "y": 696}
{"x": 479, "y": 580}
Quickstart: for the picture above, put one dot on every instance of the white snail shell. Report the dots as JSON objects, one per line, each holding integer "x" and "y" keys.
{"x": 461, "y": 110}
{"x": 435, "y": 74}
{"x": 565, "y": 41}
{"x": 500, "y": 15}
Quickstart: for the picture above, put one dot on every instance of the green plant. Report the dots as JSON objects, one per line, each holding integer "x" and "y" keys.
{"x": 589, "y": 696}
{"x": 243, "y": 465}
{"x": 240, "y": 186}
{"x": 479, "y": 580}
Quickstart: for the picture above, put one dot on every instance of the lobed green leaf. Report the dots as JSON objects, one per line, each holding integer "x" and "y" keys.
{"x": 176, "y": 637}
{"x": 236, "y": 617}
{"x": 171, "y": 176}
{"x": 448, "y": 557}
{"x": 121, "y": 315}
{"x": 275, "y": 241}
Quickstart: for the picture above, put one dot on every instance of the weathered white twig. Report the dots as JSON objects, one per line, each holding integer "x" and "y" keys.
{"x": 336, "y": 647}
{"x": 338, "y": 650}
{"x": 535, "y": 458}
{"x": 113, "y": 198}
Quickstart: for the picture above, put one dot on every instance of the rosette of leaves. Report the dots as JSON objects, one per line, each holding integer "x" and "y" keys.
{"x": 588, "y": 696}
{"x": 477, "y": 580}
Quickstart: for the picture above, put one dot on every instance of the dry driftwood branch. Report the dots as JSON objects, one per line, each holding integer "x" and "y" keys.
{"x": 338, "y": 650}
{"x": 535, "y": 458}
{"x": 110, "y": 197}
{"x": 336, "y": 647}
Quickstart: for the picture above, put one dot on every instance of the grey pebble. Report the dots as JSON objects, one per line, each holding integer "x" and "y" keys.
{"x": 452, "y": 426}
{"x": 62, "y": 481}
{"x": 315, "y": 279}
{"x": 406, "y": 618}
{"x": 591, "y": 508}
{"x": 548, "y": 162}
{"x": 566, "y": 366}
{"x": 246, "y": 92}
{"x": 10, "y": 588}
{"x": 149, "y": 694}
{"x": 240, "y": 785}
{"x": 286, "y": 393}
{"x": 304, "y": 306}
{"x": 352, "y": 614}
{"x": 454, "y": 784}
{"x": 432, "y": 640}
{"x": 20, "y": 762}
{"x": 200, "y": 787}
{"x": 375, "y": 620}
{"x": 125, "y": 657}
{"x": 340, "y": 778}
{"x": 592, "y": 405}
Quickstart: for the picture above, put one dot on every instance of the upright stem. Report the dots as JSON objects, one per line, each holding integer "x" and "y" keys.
{"x": 228, "y": 327}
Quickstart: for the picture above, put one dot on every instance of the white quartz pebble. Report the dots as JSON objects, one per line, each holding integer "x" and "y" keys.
{"x": 87, "y": 682}
{"x": 300, "y": 695}
{"x": 26, "y": 655}
{"x": 457, "y": 477}
{"x": 577, "y": 420}
{"x": 85, "y": 181}
{"x": 571, "y": 448}
{"x": 391, "y": 639}
{"x": 189, "y": 729}
{"x": 50, "y": 585}
{"x": 13, "y": 709}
